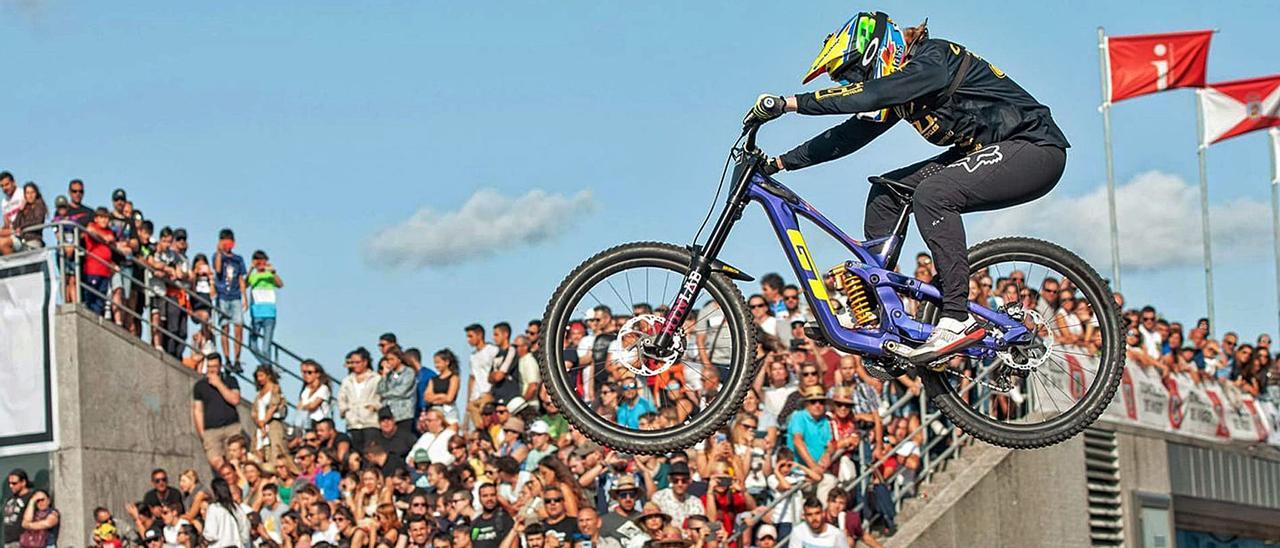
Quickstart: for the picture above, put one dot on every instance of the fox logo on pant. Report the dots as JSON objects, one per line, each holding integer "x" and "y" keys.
{"x": 985, "y": 157}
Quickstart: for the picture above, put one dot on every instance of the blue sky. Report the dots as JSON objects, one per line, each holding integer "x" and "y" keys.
{"x": 318, "y": 131}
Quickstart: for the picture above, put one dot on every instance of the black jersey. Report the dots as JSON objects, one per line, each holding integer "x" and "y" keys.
{"x": 986, "y": 107}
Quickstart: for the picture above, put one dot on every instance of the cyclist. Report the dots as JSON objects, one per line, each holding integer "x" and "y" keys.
{"x": 1005, "y": 148}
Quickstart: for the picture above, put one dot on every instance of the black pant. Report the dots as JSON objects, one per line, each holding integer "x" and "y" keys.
{"x": 175, "y": 323}
{"x": 995, "y": 177}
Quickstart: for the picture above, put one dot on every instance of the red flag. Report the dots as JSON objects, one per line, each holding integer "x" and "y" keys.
{"x": 1148, "y": 63}
{"x": 1238, "y": 107}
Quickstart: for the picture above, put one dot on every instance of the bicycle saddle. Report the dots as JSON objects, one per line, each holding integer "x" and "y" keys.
{"x": 901, "y": 189}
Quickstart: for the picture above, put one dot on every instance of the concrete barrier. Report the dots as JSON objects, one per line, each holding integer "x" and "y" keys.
{"x": 124, "y": 409}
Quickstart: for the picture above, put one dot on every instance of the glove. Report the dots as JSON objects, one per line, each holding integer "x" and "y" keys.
{"x": 770, "y": 166}
{"x": 767, "y": 107}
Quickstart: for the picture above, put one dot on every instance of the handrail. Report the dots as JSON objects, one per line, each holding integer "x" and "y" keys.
{"x": 240, "y": 343}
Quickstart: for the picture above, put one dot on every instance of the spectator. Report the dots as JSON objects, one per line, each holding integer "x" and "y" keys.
{"x": 213, "y": 410}
{"x": 676, "y": 500}
{"x": 262, "y": 282}
{"x": 442, "y": 390}
{"x": 20, "y": 495}
{"x": 10, "y": 205}
{"x": 724, "y": 501}
{"x": 39, "y": 521}
{"x": 558, "y": 523}
{"x": 161, "y": 494}
{"x": 845, "y": 520}
{"x": 505, "y": 375}
{"x": 436, "y": 440}
{"x": 313, "y": 402}
{"x": 33, "y": 213}
{"x": 269, "y": 411}
{"x": 619, "y": 523}
{"x": 766, "y": 536}
{"x": 633, "y": 404}
{"x": 541, "y": 447}
{"x": 358, "y": 399}
{"x": 392, "y": 437}
{"x": 589, "y": 526}
{"x": 395, "y": 388}
{"x": 225, "y": 524}
{"x": 121, "y": 225}
{"x": 492, "y": 524}
{"x": 762, "y": 315}
{"x": 194, "y": 494}
{"x": 171, "y": 266}
{"x": 814, "y": 531}
{"x": 771, "y": 286}
{"x": 229, "y": 287}
{"x": 330, "y": 439}
{"x": 530, "y": 372}
{"x": 172, "y": 520}
{"x": 98, "y": 266}
{"x": 479, "y": 386}
{"x": 422, "y": 379}
{"x": 652, "y": 521}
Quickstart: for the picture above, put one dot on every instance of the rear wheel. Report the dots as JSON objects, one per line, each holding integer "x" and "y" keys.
{"x": 1052, "y": 387}
{"x": 711, "y": 367}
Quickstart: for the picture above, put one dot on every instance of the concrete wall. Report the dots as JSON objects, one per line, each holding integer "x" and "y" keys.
{"x": 124, "y": 409}
{"x": 1000, "y": 497}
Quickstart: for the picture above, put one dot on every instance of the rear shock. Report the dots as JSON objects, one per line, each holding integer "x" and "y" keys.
{"x": 861, "y": 303}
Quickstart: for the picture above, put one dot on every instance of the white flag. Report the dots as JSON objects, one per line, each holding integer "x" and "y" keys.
{"x": 1238, "y": 107}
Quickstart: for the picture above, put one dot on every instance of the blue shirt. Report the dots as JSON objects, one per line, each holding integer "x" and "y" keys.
{"x": 327, "y": 482}
{"x": 816, "y": 434}
{"x": 425, "y": 374}
{"x": 227, "y": 279}
{"x": 629, "y": 415}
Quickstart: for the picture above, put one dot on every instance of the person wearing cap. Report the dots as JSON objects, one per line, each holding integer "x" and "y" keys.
{"x": 652, "y": 521}
{"x": 229, "y": 287}
{"x": 541, "y": 446}
{"x": 852, "y": 430}
{"x": 620, "y": 523}
{"x": 97, "y": 262}
{"x": 262, "y": 281}
{"x": 809, "y": 435}
{"x": 766, "y": 536}
{"x": 121, "y": 224}
{"x": 392, "y": 437}
{"x": 675, "y": 500}
{"x": 632, "y": 405}
{"x": 512, "y": 445}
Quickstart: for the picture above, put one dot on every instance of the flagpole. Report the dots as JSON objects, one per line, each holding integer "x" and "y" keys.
{"x": 1106, "y": 141}
{"x": 1204, "y": 211}
{"x": 1275, "y": 212}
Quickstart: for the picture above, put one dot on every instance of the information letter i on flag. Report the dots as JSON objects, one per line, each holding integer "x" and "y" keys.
{"x": 1149, "y": 63}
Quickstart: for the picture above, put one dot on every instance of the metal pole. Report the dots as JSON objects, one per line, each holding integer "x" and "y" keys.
{"x": 1275, "y": 212}
{"x": 1204, "y": 213}
{"x": 1106, "y": 140}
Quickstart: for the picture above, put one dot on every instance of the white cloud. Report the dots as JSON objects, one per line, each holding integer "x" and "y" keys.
{"x": 486, "y": 224}
{"x": 1159, "y": 222}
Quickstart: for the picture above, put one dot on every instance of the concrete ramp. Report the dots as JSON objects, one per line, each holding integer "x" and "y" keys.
{"x": 990, "y": 496}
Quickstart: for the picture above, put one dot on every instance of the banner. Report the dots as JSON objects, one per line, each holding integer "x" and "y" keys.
{"x": 1176, "y": 403}
{"x": 1149, "y": 63}
{"x": 28, "y": 283}
{"x": 1238, "y": 107}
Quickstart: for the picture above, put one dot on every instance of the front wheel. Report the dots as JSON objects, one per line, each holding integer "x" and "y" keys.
{"x": 596, "y": 368}
{"x": 1052, "y": 387}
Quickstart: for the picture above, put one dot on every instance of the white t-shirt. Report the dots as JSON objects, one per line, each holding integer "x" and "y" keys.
{"x": 322, "y": 394}
{"x": 830, "y": 537}
{"x": 330, "y": 534}
{"x": 481, "y": 365}
{"x": 529, "y": 371}
{"x": 9, "y": 206}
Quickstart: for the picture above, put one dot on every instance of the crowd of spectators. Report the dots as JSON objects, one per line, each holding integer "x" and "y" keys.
{"x": 117, "y": 264}
{"x": 394, "y": 454}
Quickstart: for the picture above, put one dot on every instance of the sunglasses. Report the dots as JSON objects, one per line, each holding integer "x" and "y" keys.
{"x": 629, "y": 387}
{"x": 679, "y": 479}
{"x": 624, "y": 495}
{"x": 554, "y": 501}
{"x": 159, "y": 480}
{"x": 791, "y": 297}
{"x": 808, "y": 373}
{"x": 759, "y": 305}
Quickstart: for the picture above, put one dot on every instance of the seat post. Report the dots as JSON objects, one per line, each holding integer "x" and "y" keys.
{"x": 899, "y": 235}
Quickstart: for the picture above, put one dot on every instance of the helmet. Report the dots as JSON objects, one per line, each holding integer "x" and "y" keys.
{"x": 868, "y": 46}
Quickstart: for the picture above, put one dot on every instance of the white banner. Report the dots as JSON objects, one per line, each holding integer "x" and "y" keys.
{"x": 1177, "y": 403}
{"x": 28, "y": 283}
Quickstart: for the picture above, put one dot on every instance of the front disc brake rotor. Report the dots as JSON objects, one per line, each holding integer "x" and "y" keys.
{"x": 636, "y": 351}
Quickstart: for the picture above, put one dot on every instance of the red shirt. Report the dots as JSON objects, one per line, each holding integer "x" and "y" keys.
{"x": 728, "y": 506}
{"x": 97, "y": 259}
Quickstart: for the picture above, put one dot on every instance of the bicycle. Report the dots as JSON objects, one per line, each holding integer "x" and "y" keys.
{"x": 859, "y": 308}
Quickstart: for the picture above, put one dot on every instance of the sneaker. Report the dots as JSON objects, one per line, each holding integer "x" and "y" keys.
{"x": 948, "y": 337}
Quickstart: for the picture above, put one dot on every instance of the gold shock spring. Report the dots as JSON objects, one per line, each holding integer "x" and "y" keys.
{"x": 856, "y": 292}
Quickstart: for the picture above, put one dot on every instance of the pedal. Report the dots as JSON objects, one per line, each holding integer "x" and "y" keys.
{"x": 814, "y": 333}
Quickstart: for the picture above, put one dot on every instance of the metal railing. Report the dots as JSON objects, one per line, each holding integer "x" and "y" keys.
{"x": 73, "y": 266}
{"x": 929, "y": 464}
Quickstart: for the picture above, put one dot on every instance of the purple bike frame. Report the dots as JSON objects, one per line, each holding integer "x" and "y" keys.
{"x": 782, "y": 206}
